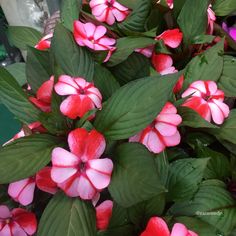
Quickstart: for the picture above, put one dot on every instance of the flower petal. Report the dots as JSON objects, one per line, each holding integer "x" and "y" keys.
{"x": 103, "y": 214}
{"x": 171, "y": 38}
{"x": 4, "y": 212}
{"x": 179, "y": 230}
{"x": 86, "y": 189}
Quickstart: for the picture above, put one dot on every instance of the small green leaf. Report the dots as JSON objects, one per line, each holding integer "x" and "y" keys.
{"x": 13, "y": 97}
{"x": 65, "y": 216}
{"x": 17, "y": 70}
{"x": 25, "y": 156}
{"x": 224, "y": 7}
{"x": 136, "y": 66}
{"x": 134, "y": 106}
{"x": 131, "y": 183}
{"x": 70, "y": 12}
{"x": 105, "y": 81}
{"x": 201, "y": 39}
{"x": 184, "y": 177}
{"x": 38, "y": 68}
{"x": 126, "y": 46}
{"x": 22, "y": 36}
{"x": 193, "y": 18}
{"x": 74, "y": 60}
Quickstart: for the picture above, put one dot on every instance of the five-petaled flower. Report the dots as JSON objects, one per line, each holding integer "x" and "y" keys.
{"x": 93, "y": 37}
{"x": 81, "y": 172}
{"x": 44, "y": 96}
{"x": 162, "y": 132}
{"x": 17, "y": 222}
{"x": 103, "y": 214}
{"x": 207, "y": 100}
{"x": 44, "y": 43}
{"x": 108, "y": 11}
{"x": 83, "y": 96}
{"x": 158, "y": 227}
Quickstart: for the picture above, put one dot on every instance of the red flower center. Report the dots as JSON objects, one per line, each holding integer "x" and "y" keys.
{"x": 82, "y": 167}
{"x": 110, "y": 3}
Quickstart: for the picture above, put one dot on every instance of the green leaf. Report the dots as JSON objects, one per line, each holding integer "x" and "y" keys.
{"x": 136, "y": 66}
{"x": 212, "y": 204}
{"x": 208, "y": 63}
{"x": 22, "y": 36}
{"x": 227, "y": 130}
{"x": 13, "y": 97}
{"x": 184, "y": 177}
{"x": 25, "y": 156}
{"x": 227, "y": 81}
{"x": 178, "y": 5}
{"x": 137, "y": 18}
{"x": 131, "y": 183}
{"x": 191, "y": 21}
{"x": 218, "y": 166}
{"x": 134, "y": 106}
{"x": 70, "y": 12}
{"x": 74, "y": 60}
{"x": 105, "y": 81}
{"x": 192, "y": 119}
{"x": 162, "y": 165}
{"x": 201, "y": 39}
{"x": 126, "y": 46}
{"x": 66, "y": 216}
{"x": 224, "y": 7}
{"x": 38, "y": 68}
{"x": 17, "y": 70}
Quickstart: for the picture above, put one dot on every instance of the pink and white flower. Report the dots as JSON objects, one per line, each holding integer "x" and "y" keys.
{"x": 44, "y": 96}
{"x": 108, "y": 11}
{"x": 103, "y": 214}
{"x": 17, "y": 222}
{"x": 207, "y": 100}
{"x": 81, "y": 172}
{"x": 162, "y": 132}
{"x": 170, "y": 3}
{"x": 211, "y": 19}
{"x": 93, "y": 37}
{"x": 158, "y": 227}
{"x": 44, "y": 43}
{"x": 22, "y": 191}
{"x": 83, "y": 96}
{"x": 44, "y": 181}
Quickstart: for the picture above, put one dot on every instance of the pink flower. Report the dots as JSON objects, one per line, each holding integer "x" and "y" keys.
{"x": 103, "y": 214}
{"x": 22, "y": 191}
{"x": 158, "y": 227}
{"x": 163, "y": 64}
{"x": 44, "y": 181}
{"x": 170, "y": 3}
{"x": 207, "y": 100}
{"x": 93, "y": 37}
{"x": 108, "y": 11}
{"x": 43, "y": 96}
{"x": 44, "y": 43}
{"x": 83, "y": 96}
{"x": 17, "y": 222}
{"x": 211, "y": 20}
{"x": 162, "y": 132}
{"x": 81, "y": 172}
{"x": 179, "y": 84}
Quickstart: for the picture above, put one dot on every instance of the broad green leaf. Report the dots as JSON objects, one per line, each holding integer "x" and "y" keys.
{"x": 227, "y": 81}
{"x": 224, "y": 7}
{"x": 198, "y": 226}
{"x": 70, "y": 12}
{"x": 192, "y": 119}
{"x": 25, "y": 156}
{"x": 193, "y": 18}
{"x": 178, "y": 5}
{"x": 105, "y": 81}
{"x": 227, "y": 130}
{"x": 134, "y": 106}
{"x": 38, "y": 68}
{"x": 129, "y": 3}
{"x": 201, "y": 39}
{"x": 184, "y": 177}
{"x": 74, "y": 60}
{"x": 136, "y": 66}
{"x": 65, "y": 216}
{"x": 212, "y": 204}
{"x": 131, "y": 183}
{"x": 22, "y": 36}
{"x": 207, "y": 65}
{"x": 163, "y": 167}
{"x": 126, "y": 46}
{"x": 17, "y": 70}
{"x": 218, "y": 166}
{"x": 137, "y": 18}
{"x": 13, "y": 97}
